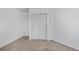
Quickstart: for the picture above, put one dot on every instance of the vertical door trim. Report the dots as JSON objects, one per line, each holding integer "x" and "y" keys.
{"x": 29, "y": 24}
{"x": 48, "y": 24}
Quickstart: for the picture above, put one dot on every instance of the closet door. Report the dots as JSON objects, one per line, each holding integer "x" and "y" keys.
{"x": 38, "y": 26}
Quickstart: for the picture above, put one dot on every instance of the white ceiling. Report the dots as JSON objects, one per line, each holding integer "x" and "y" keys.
{"x": 23, "y": 9}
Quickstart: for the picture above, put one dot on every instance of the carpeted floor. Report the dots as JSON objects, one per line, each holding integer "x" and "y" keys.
{"x": 24, "y": 44}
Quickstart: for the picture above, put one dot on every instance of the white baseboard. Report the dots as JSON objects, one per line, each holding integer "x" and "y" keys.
{"x": 14, "y": 39}
{"x": 66, "y": 44}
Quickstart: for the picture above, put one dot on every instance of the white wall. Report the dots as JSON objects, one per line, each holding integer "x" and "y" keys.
{"x": 23, "y": 17}
{"x": 66, "y": 26}
{"x": 50, "y": 24}
{"x": 11, "y": 25}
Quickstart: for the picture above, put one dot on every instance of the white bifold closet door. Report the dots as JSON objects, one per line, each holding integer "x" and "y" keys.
{"x": 38, "y": 26}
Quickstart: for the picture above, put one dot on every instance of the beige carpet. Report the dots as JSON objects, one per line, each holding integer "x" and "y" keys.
{"x": 24, "y": 44}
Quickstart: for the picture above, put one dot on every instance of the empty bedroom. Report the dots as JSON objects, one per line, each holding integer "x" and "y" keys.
{"x": 39, "y": 29}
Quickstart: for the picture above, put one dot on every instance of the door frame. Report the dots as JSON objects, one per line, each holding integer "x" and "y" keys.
{"x": 47, "y": 22}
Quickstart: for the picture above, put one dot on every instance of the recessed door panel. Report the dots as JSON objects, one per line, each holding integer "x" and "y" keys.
{"x": 38, "y": 26}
